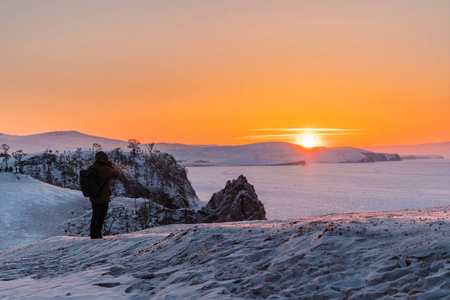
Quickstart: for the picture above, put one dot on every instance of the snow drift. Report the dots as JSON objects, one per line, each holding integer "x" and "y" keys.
{"x": 32, "y": 210}
{"x": 394, "y": 254}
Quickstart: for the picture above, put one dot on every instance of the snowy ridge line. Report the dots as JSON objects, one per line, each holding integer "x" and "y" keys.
{"x": 265, "y": 153}
{"x": 402, "y": 253}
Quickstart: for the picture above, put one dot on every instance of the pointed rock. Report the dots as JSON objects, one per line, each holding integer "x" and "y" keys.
{"x": 236, "y": 202}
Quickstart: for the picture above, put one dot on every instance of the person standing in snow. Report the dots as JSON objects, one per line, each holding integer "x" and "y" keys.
{"x": 105, "y": 172}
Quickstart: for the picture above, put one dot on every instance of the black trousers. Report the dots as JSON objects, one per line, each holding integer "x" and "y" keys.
{"x": 99, "y": 211}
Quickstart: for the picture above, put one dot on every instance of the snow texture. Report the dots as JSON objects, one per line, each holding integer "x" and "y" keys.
{"x": 32, "y": 210}
{"x": 378, "y": 255}
{"x": 356, "y": 255}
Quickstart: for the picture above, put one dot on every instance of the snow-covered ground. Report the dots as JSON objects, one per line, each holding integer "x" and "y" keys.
{"x": 379, "y": 255}
{"x": 31, "y": 210}
{"x": 294, "y": 255}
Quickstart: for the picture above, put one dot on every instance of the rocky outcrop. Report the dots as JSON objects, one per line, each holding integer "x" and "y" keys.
{"x": 167, "y": 182}
{"x": 155, "y": 176}
{"x": 392, "y": 157}
{"x": 236, "y": 202}
{"x": 422, "y": 157}
{"x": 373, "y": 157}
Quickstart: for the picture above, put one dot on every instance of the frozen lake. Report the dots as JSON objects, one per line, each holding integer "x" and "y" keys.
{"x": 298, "y": 191}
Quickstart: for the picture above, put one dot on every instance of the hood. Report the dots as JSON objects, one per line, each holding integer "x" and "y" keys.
{"x": 101, "y": 157}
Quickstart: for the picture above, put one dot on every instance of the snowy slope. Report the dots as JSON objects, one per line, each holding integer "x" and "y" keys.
{"x": 31, "y": 210}
{"x": 396, "y": 254}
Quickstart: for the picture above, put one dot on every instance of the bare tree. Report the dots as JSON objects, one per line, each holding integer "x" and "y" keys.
{"x": 18, "y": 156}
{"x": 97, "y": 147}
{"x": 150, "y": 147}
{"x": 116, "y": 214}
{"x": 5, "y": 153}
{"x": 77, "y": 160}
{"x": 115, "y": 154}
{"x": 134, "y": 146}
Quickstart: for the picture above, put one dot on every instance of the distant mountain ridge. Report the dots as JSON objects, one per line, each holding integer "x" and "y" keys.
{"x": 266, "y": 153}
{"x": 58, "y": 140}
{"x": 420, "y": 149}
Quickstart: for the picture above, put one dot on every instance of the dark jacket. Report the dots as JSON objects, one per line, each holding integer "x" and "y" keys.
{"x": 106, "y": 172}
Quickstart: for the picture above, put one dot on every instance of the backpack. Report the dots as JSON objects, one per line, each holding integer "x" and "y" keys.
{"x": 89, "y": 183}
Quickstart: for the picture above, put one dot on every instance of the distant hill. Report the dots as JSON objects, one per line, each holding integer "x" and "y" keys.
{"x": 267, "y": 153}
{"x": 421, "y": 149}
{"x": 58, "y": 140}
{"x": 273, "y": 153}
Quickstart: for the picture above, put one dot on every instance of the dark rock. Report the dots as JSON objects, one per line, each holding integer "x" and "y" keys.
{"x": 422, "y": 157}
{"x": 133, "y": 287}
{"x": 107, "y": 284}
{"x": 295, "y": 163}
{"x": 116, "y": 271}
{"x": 373, "y": 157}
{"x": 144, "y": 275}
{"x": 236, "y": 202}
{"x": 394, "y": 157}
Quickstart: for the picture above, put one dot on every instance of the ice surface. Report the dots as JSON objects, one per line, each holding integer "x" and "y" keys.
{"x": 294, "y": 191}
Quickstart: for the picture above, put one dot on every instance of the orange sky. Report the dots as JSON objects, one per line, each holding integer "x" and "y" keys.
{"x": 212, "y": 72}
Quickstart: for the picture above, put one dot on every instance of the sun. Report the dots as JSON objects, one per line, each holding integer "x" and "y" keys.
{"x": 308, "y": 141}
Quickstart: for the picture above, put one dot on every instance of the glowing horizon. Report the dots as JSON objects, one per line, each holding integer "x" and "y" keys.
{"x": 312, "y": 135}
{"x": 228, "y": 72}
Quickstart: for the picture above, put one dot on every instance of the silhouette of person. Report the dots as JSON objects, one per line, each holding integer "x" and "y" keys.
{"x": 105, "y": 172}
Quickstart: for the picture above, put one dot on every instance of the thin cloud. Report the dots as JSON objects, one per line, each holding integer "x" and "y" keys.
{"x": 300, "y": 131}
{"x": 270, "y": 136}
{"x": 308, "y": 129}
